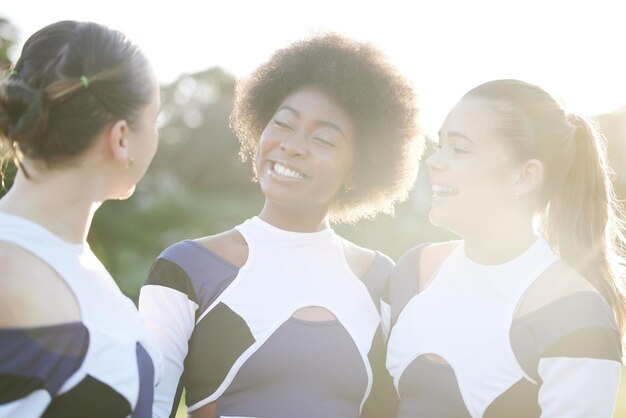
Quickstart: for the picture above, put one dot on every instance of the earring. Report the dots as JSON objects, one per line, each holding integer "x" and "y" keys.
{"x": 130, "y": 162}
{"x": 515, "y": 194}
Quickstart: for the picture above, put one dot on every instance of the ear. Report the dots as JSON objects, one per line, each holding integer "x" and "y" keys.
{"x": 529, "y": 178}
{"x": 116, "y": 140}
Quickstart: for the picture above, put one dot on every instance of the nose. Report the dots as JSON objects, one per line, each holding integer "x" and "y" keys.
{"x": 436, "y": 160}
{"x": 295, "y": 146}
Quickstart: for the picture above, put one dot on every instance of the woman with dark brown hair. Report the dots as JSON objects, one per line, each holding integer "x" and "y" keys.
{"x": 77, "y": 114}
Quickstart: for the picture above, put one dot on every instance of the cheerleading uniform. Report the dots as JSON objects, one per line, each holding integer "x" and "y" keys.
{"x": 562, "y": 360}
{"x": 229, "y": 335}
{"x": 104, "y": 365}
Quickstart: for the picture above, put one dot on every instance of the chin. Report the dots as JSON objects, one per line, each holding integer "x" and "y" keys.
{"x": 126, "y": 195}
{"x": 438, "y": 219}
{"x": 452, "y": 224}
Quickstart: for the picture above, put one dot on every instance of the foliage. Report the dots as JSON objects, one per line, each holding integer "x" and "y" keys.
{"x": 8, "y": 39}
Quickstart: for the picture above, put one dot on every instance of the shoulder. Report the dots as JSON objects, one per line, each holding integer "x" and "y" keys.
{"x": 229, "y": 245}
{"x": 361, "y": 260}
{"x": 412, "y": 273}
{"x": 420, "y": 263}
{"x": 431, "y": 258}
{"x": 199, "y": 268}
{"x": 565, "y": 316}
{"x": 372, "y": 267}
{"x": 555, "y": 283}
{"x": 27, "y": 286}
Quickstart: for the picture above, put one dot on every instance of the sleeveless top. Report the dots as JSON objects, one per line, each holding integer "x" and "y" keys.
{"x": 234, "y": 327}
{"x": 497, "y": 365}
{"x": 105, "y": 365}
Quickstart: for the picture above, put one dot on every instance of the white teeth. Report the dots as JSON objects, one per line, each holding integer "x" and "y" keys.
{"x": 439, "y": 189}
{"x": 287, "y": 172}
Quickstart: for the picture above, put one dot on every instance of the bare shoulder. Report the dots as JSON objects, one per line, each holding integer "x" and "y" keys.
{"x": 27, "y": 287}
{"x": 431, "y": 258}
{"x": 229, "y": 245}
{"x": 359, "y": 259}
{"x": 558, "y": 281}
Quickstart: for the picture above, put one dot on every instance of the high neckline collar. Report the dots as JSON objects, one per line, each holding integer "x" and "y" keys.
{"x": 520, "y": 261}
{"x": 257, "y": 222}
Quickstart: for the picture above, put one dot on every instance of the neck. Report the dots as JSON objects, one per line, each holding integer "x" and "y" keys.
{"x": 499, "y": 242}
{"x": 62, "y": 201}
{"x": 295, "y": 219}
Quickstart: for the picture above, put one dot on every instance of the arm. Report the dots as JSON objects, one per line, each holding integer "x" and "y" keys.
{"x": 578, "y": 387}
{"x": 576, "y": 345}
{"x": 41, "y": 344}
{"x": 169, "y": 313}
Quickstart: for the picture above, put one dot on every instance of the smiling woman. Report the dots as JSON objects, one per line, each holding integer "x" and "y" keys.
{"x": 525, "y": 316}
{"x": 280, "y": 307}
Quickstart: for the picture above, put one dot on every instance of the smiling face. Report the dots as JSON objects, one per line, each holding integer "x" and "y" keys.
{"x": 472, "y": 173}
{"x": 306, "y": 152}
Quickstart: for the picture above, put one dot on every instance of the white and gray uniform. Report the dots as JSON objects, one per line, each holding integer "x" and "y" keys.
{"x": 105, "y": 365}
{"x": 562, "y": 360}
{"x": 228, "y": 334}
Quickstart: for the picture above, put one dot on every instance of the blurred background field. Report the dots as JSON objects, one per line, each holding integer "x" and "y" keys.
{"x": 198, "y": 186}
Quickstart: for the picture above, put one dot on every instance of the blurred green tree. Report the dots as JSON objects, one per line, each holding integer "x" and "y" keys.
{"x": 8, "y": 39}
{"x": 195, "y": 186}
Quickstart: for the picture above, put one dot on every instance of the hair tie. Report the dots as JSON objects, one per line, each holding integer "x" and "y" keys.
{"x": 85, "y": 81}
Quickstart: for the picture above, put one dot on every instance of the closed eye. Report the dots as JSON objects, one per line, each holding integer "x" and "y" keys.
{"x": 324, "y": 141}
{"x": 282, "y": 124}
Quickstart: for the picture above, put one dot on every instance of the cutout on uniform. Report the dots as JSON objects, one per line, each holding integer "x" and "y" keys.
{"x": 314, "y": 314}
{"x": 434, "y": 358}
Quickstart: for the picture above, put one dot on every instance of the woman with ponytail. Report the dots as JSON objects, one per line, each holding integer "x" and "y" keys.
{"x": 524, "y": 317}
{"x": 77, "y": 115}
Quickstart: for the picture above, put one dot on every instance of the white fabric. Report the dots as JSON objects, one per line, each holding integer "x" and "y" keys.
{"x": 464, "y": 316}
{"x": 32, "y": 405}
{"x": 385, "y": 316}
{"x": 590, "y": 384}
{"x": 292, "y": 270}
{"x": 112, "y": 320}
{"x": 170, "y": 315}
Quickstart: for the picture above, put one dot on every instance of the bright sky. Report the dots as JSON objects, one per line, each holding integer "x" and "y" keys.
{"x": 574, "y": 49}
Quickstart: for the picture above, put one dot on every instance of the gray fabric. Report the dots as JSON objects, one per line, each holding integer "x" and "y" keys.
{"x": 303, "y": 363}
{"x": 377, "y": 275}
{"x": 207, "y": 273}
{"x": 403, "y": 284}
{"x": 430, "y": 389}
{"x": 583, "y": 312}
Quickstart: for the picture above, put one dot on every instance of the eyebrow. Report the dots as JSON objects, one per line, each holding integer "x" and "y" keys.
{"x": 323, "y": 123}
{"x": 457, "y": 134}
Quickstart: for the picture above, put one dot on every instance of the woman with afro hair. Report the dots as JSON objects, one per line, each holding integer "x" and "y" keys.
{"x": 278, "y": 317}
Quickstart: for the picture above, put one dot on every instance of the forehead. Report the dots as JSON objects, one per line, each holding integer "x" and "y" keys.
{"x": 473, "y": 117}
{"x": 315, "y": 103}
